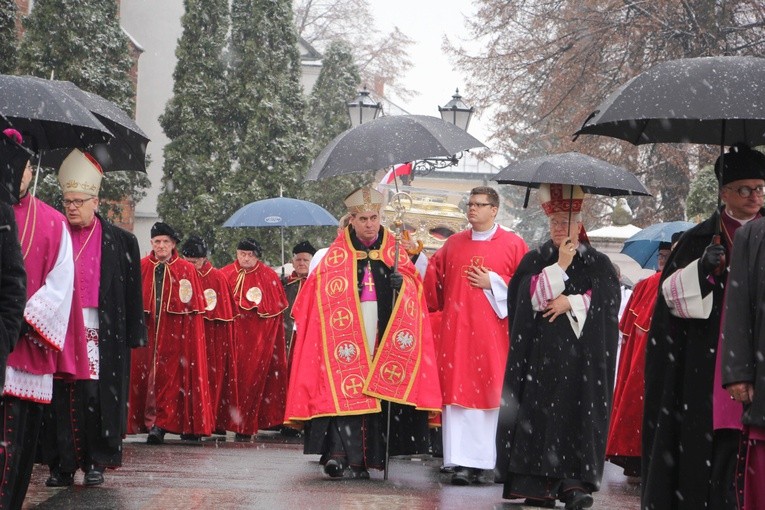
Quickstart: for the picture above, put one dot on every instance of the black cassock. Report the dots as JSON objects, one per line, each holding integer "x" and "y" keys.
{"x": 556, "y": 398}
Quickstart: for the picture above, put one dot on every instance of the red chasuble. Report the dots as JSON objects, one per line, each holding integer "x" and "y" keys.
{"x": 333, "y": 373}
{"x": 474, "y": 342}
{"x": 175, "y": 358}
{"x": 624, "y": 435}
{"x": 259, "y": 301}
{"x": 221, "y": 346}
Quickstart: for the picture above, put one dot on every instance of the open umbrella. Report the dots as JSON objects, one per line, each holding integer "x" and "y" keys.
{"x": 595, "y": 176}
{"x": 643, "y": 247}
{"x": 388, "y": 141}
{"x": 54, "y": 118}
{"x": 126, "y": 151}
{"x": 706, "y": 100}
{"x": 281, "y": 212}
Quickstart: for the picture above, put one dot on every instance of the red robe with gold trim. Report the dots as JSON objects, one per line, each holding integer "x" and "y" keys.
{"x": 626, "y": 424}
{"x": 474, "y": 341}
{"x": 259, "y": 301}
{"x": 221, "y": 346}
{"x": 333, "y": 373}
{"x": 175, "y": 356}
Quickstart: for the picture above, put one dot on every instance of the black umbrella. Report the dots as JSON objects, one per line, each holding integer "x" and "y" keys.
{"x": 593, "y": 175}
{"x": 388, "y": 141}
{"x": 126, "y": 151}
{"x": 707, "y": 100}
{"x": 54, "y": 118}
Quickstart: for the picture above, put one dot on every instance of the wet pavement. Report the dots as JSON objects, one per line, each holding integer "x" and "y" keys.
{"x": 273, "y": 473}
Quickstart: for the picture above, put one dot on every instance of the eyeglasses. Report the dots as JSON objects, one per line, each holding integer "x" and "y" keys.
{"x": 77, "y": 202}
{"x": 559, "y": 223}
{"x": 477, "y": 205}
{"x": 746, "y": 191}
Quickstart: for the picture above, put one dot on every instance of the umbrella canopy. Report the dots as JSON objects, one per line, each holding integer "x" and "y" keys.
{"x": 126, "y": 151}
{"x": 388, "y": 141}
{"x": 281, "y": 212}
{"x": 643, "y": 247}
{"x": 54, "y": 118}
{"x": 706, "y": 100}
{"x": 594, "y": 175}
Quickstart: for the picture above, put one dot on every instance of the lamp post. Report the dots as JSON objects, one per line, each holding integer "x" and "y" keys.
{"x": 457, "y": 112}
{"x": 363, "y": 109}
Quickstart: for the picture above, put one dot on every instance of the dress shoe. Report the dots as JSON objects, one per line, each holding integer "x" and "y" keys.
{"x": 356, "y": 473}
{"x": 94, "y": 477}
{"x": 59, "y": 479}
{"x": 461, "y": 476}
{"x": 156, "y": 435}
{"x": 334, "y": 468}
{"x": 242, "y": 438}
{"x": 191, "y": 437}
{"x": 577, "y": 500}
{"x": 540, "y": 503}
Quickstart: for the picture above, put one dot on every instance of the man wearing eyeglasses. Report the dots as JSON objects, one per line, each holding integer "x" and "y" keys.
{"x": 691, "y": 427}
{"x": 84, "y": 425}
{"x": 467, "y": 280}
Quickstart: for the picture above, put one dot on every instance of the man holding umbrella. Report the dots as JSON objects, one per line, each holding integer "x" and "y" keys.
{"x": 691, "y": 428}
{"x": 563, "y": 302}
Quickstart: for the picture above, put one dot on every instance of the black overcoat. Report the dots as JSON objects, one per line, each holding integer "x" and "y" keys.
{"x": 556, "y": 398}
{"x": 679, "y": 374}
{"x": 743, "y": 355}
{"x": 121, "y": 323}
{"x": 13, "y": 286}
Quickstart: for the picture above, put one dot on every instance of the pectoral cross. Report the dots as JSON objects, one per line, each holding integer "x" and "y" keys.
{"x": 369, "y": 284}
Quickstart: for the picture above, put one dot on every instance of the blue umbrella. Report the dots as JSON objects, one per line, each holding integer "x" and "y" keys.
{"x": 281, "y": 212}
{"x": 644, "y": 246}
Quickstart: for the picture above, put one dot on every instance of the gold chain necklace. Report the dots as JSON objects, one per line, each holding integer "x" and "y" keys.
{"x": 86, "y": 242}
{"x": 33, "y": 209}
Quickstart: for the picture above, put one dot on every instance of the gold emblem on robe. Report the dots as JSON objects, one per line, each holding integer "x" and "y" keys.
{"x": 255, "y": 295}
{"x": 185, "y": 291}
{"x": 211, "y": 298}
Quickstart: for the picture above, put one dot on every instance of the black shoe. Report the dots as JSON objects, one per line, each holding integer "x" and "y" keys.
{"x": 461, "y": 476}
{"x": 577, "y": 500}
{"x": 59, "y": 479}
{"x": 356, "y": 473}
{"x": 156, "y": 435}
{"x": 476, "y": 475}
{"x": 290, "y": 432}
{"x": 447, "y": 469}
{"x": 334, "y": 468}
{"x": 242, "y": 438}
{"x": 94, "y": 477}
{"x": 541, "y": 503}
{"x": 191, "y": 437}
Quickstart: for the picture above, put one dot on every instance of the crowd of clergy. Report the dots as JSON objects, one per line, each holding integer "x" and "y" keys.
{"x": 499, "y": 358}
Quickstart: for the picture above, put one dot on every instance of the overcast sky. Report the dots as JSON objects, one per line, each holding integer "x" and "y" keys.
{"x": 432, "y": 75}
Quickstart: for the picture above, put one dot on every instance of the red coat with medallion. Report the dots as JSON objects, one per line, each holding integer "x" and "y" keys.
{"x": 174, "y": 363}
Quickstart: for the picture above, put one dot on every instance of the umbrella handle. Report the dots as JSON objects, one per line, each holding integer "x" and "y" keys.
{"x": 723, "y": 262}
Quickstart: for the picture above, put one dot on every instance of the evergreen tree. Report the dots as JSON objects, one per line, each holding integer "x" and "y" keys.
{"x": 81, "y": 41}
{"x": 8, "y": 42}
{"x": 267, "y": 111}
{"x": 328, "y": 117}
{"x": 198, "y": 156}
{"x": 702, "y": 197}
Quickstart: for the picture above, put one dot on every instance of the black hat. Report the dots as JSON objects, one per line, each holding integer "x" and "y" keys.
{"x": 194, "y": 247}
{"x": 250, "y": 244}
{"x": 665, "y": 245}
{"x": 741, "y": 162}
{"x": 676, "y": 236}
{"x": 13, "y": 162}
{"x": 163, "y": 229}
{"x": 303, "y": 247}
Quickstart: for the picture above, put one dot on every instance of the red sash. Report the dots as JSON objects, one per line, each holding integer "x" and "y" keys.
{"x": 355, "y": 387}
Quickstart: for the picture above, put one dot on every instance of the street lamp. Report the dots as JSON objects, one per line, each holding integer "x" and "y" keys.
{"x": 363, "y": 109}
{"x": 457, "y": 112}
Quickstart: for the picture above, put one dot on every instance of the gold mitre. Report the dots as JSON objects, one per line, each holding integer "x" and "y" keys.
{"x": 364, "y": 200}
{"x": 80, "y": 172}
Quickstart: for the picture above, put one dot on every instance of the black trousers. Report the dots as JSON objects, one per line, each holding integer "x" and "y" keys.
{"x": 21, "y": 426}
{"x": 71, "y": 437}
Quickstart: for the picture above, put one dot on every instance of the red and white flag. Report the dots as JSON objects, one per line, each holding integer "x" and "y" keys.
{"x": 397, "y": 171}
